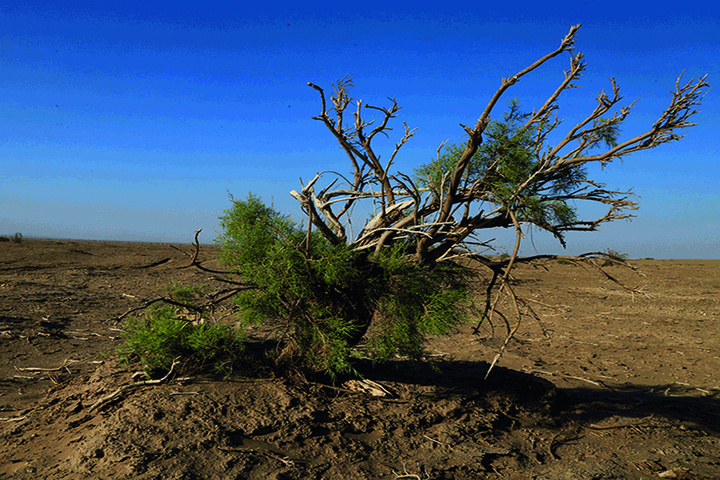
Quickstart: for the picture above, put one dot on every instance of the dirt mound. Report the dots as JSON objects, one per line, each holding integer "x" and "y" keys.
{"x": 624, "y": 388}
{"x": 277, "y": 428}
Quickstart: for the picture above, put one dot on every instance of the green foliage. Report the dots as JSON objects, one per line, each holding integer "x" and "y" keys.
{"x": 327, "y": 296}
{"x": 187, "y": 294}
{"x": 436, "y": 174}
{"x": 162, "y": 337}
{"x": 608, "y": 132}
{"x": 250, "y": 232}
{"x": 504, "y": 159}
{"x": 502, "y": 170}
{"x": 311, "y": 284}
{"x": 416, "y": 301}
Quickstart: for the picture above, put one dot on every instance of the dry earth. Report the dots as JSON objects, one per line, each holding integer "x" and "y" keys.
{"x": 624, "y": 387}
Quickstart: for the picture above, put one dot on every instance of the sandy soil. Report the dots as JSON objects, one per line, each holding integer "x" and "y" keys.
{"x": 624, "y": 387}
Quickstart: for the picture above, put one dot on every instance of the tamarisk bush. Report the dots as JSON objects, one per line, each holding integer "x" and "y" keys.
{"x": 406, "y": 273}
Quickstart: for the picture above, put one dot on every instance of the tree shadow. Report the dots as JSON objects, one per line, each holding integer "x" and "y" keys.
{"x": 686, "y": 406}
{"x": 557, "y": 405}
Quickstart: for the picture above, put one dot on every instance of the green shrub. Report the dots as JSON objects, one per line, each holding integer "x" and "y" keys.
{"x": 416, "y": 301}
{"x": 161, "y": 337}
{"x": 17, "y": 238}
{"x": 327, "y": 297}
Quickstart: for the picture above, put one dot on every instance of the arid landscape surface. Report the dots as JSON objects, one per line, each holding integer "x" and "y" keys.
{"x": 621, "y": 385}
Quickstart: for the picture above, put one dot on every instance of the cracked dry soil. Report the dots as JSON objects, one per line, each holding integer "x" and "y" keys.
{"x": 621, "y": 387}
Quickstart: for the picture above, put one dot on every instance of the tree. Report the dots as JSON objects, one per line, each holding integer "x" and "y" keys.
{"x": 336, "y": 286}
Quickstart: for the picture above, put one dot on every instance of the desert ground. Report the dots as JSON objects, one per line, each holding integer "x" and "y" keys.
{"x": 611, "y": 385}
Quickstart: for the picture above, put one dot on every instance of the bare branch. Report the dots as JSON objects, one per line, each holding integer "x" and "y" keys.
{"x": 676, "y": 116}
{"x": 475, "y": 134}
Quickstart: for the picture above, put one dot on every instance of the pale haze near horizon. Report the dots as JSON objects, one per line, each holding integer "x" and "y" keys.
{"x": 134, "y": 122}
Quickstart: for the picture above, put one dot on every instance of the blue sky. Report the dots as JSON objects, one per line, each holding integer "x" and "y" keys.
{"x": 132, "y": 121}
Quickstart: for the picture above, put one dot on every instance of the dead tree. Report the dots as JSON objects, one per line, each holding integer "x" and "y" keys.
{"x": 486, "y": 185}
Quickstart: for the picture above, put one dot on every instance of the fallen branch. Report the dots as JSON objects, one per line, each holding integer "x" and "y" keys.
{"x": 642, "y": 422}
{"x": 280, "y": 458}
{"x": 13, "y": 419}
{"x": 64, "y": 365}
{"x": 194, "y": 262}
{"x": 215, "y": 299}
{"x": 167, "y": 300}
{"x": 573, "y": 377}
{"x": 39, "y": 369}
{"x": 433, "y": 440}
{"x": 219, "y": 298}
{"x": 108, "y": 398}
{"x": 367, "y": 386}
{"x": 407, "y": 474}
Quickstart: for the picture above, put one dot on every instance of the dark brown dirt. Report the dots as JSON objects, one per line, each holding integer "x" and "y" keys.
{"x": 624, "y": 387}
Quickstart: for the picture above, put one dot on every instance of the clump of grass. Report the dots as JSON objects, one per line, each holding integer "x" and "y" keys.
{"x": 161, "y": 337}
{"x": 564, "y": 261}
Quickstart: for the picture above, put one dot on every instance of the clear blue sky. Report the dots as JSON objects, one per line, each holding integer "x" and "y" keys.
{"x": 132, "y": 120}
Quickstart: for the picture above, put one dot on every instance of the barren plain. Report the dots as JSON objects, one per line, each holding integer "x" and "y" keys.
{"x": 619, "y": 386}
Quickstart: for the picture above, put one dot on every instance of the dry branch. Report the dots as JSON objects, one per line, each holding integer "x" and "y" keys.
{"x": 215, "y": 299}
{"x": 114, "y": 395}
{"x": 403, "y": 211}
{"x": 639, "y": 423}
{"x": 55, "y": 369}
{"x": 287, "y": 461}
{"x": 194, "y": 262}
